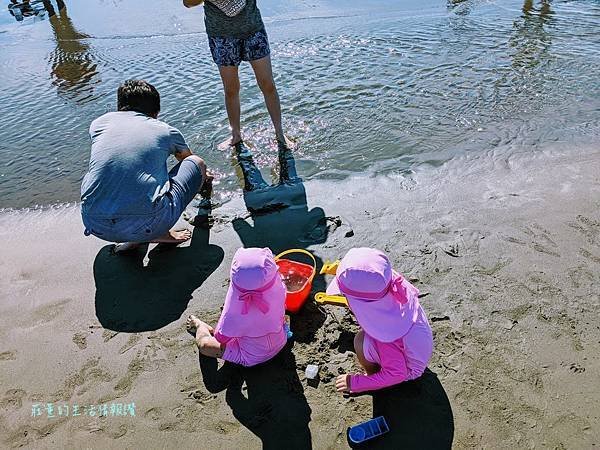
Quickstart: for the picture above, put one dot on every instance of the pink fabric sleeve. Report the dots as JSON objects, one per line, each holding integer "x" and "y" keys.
{"x": 221, "y": 338}
{"x": 393, "y": 370}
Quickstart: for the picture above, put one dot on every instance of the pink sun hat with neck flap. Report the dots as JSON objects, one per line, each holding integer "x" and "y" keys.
{"x": 385, "y": 304}
{"x": 255, "y": 302}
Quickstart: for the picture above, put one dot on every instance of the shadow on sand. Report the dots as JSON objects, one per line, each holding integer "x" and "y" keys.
{"x": 268, "y": 399}
{"x": 418, "y": 414}
{"x": 281, "y": 220}
{"x": 131, "y": 297}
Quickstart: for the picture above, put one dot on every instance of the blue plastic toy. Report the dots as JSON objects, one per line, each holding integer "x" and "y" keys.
{"x": 287, "y": 330}
{"x": 368, "y": 430}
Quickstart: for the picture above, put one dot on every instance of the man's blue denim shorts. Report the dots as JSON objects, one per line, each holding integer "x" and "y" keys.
{"x": 229, "y": 51}
{"x": 186, "y": 180}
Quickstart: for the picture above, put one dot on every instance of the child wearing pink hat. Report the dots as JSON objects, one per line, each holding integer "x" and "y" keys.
{"x": 251, "y": 329}
{"x": 395, "y": 342}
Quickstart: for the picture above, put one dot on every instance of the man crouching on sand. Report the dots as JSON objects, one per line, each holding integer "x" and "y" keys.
{"x": 128, "y": 196}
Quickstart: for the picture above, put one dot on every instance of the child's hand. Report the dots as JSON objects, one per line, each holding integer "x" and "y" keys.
{"x": 342, "y": 383}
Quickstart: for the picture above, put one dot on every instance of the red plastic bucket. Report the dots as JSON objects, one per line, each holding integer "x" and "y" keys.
{"x": 297, "y": 278}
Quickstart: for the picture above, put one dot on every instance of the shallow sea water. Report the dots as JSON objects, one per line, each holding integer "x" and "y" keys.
{"x": 378, "y": 86}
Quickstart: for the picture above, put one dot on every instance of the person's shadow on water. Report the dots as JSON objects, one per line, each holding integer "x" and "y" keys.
{"x": 281, "y": 221}
{"x": 268, "y": 399}
{"x": 131, "y": 297}
{"x": 418, "y": 414}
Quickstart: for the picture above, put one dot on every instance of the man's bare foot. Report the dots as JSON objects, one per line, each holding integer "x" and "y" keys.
{"x": 174, "y": 237}
{"x": 126, "y": 247}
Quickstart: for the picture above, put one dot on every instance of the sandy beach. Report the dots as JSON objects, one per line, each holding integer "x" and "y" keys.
{"x": 505, "y": 252}
{"x": 460, "y": 137}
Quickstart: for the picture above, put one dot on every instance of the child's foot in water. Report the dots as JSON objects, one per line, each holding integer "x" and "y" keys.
{"x": 231, "y": 142}
{"x": 236, "y": 137}
{"x": 286, "y": 144}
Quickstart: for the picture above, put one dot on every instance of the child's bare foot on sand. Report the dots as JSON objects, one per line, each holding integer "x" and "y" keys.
{"x": 173, "y": 237}
{"x": 206, "y": 342}
{"x": 195, "y": 326}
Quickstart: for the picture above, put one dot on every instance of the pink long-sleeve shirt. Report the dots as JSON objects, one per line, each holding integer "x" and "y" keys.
{"x": 404, "y": 359}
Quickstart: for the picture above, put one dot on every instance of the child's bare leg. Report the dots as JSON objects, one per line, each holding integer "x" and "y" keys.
{"x": 231, "y": 86}
{"x": 205, "y": 341}
{"x": 264, "y": 78}
{"x": 369, "y": 367}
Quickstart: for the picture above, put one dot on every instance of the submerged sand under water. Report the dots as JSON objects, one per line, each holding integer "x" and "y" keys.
{"x": 505, "y": 249}
{"x": 366, "y": 86}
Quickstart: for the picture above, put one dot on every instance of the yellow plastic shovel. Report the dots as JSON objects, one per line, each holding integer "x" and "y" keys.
{"x": 337, "y": 300}
{"x": 330, "y": 268}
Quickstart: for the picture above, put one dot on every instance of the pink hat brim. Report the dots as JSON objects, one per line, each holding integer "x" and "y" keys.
{"x": 384, "y": 319}
{"x": 254, "y": 323}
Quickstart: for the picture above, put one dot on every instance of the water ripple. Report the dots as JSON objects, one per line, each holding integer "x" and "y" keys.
{"x": 384, "y": 90}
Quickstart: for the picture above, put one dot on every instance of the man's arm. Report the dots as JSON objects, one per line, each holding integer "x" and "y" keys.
{"x": 192, "y": 3}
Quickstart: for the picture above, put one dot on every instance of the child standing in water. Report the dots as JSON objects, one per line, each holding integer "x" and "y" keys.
{"x": 395, "y": 342}
{"x": 251, "y": 328}
{"x": 237, "y": 38}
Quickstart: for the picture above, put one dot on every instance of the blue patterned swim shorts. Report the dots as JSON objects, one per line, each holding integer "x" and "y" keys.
{"x": 229, "y": 51}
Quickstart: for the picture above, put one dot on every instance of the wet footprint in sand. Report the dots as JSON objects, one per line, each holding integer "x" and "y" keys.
{"x": 575, "y": 368}
{"x": 537, "y": 238}
{"x": 131, "y": 342}
{"x": 80, "y": 340}
{"x": 107, "y": 335}
{"x": 588, "y": 227}
{"x": 8, "y": 356}
{"x": 586, "y": 254}
{"x": 13, "y": 398}
{"x": 47, "y": 313}
{"x": 201, "y": 397}
{"x": 153, "y": 413}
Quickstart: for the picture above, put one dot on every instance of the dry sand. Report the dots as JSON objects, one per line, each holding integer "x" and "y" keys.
{"x": 505, "y": 250}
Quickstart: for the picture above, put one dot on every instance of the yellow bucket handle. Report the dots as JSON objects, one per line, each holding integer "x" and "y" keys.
{"x": 305, "y": 252}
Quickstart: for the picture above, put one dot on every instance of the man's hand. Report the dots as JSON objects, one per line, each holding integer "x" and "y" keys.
{"x": 181, "y": 155}
{"x": 192, "y": 3}
{"x": 342, "y": 383}
{"x": 207, "y": 187}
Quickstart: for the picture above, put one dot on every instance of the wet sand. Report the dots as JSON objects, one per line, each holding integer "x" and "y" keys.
{"x": 505, "y": 251}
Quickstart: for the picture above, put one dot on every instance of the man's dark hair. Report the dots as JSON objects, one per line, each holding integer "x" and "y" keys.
{"x": 139, "y": 96}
